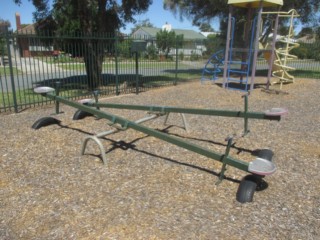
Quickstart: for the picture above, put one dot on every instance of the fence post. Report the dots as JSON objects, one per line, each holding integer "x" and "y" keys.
{"x": 137, "y": 71}
{"x": 14, "y": 94}
{"x": 176, "y": 71}
{"x": 116, "y": 65}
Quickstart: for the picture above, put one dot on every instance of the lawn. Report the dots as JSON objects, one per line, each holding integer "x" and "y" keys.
{"x": 6, "y": 71}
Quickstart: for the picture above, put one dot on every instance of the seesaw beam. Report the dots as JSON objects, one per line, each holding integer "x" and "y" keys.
{"x": 209, "y": 112}
{"x": 259, "y": 167}
{"x": 242, "y": 165}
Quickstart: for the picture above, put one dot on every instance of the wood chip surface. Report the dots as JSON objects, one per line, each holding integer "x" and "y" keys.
{"x": 150, "y": 189}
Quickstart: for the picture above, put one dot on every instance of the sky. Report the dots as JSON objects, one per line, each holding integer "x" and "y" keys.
{"x": 156, "y": 14}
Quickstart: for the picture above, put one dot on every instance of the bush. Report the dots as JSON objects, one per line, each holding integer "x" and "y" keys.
{"x": 301, "y": 52}
{"x": 194, "y": 56}
{"x": 151, "y": 52}
{"x": 307, "y": 51}
{"x": 181, "y": 56}
{"x": 316, "y": 51}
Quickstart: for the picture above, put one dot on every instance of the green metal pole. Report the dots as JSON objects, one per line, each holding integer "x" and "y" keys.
{"x": 116, "y": 66}
{"x": 242, "y": 165}
{"x": 246, "y": 130}
{"x": 176, "y": 72}
{"x": 211, "y": 112}
{"x": 224, "y": 165}
{"x": 14, "y": 94}
{"x": 57, "y": 93}
{"x": 96, "y": 97}
{"x": 137, "y": 72}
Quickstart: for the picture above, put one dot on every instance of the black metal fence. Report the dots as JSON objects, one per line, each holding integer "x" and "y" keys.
{"x": 127, "y": 65}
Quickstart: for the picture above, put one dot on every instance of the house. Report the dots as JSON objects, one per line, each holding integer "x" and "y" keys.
{"x": 4, "y": 26}
{"x": 29, "y": 46}
{"x": 309, "y": 38}
{"x": 206, "y": 34}
{"x": 193, "y": 41}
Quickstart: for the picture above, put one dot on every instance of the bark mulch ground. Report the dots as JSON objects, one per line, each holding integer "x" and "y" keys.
{"x": 150, "y": 189}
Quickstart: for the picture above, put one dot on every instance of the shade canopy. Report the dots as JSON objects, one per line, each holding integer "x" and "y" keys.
{"x": 255, "y": 3}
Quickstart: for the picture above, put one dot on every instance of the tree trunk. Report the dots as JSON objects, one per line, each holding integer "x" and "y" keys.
{"x": 93, "y": 59}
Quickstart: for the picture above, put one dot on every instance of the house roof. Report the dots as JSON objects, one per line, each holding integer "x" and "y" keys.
{"x": 309, "y": 38}
{"x": 28, "y": 29}
{"x": 152, "y": 32}
{"x": 255, "y": 3}
{"x": 206, "y": 34}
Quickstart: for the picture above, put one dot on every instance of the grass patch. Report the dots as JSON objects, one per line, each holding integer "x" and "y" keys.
{"x": 307, "y": 74}
{"x": 6, "y": 71}
{"x": 121, "y": 65}
{"x": 314, "y": 74}
{"x": 28, "y": 97}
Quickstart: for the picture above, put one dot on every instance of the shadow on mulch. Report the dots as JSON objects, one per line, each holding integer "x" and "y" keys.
{"x": 131, "y": 145}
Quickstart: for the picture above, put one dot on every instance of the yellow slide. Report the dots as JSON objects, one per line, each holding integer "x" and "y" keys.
{"x": 279, "y": 66}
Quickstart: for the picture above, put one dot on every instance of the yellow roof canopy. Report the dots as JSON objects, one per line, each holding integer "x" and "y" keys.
{"x": 255, "y": 3}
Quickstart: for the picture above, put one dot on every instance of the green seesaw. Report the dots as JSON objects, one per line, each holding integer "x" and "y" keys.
{"x": 258, "y": 168}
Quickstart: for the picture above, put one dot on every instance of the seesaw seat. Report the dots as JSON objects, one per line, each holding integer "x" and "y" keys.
{"x": 276, "y": 112}
{"x": 261, "y": 166}
{"x": 42, "y": 90}
{"x": 85, "y": 101}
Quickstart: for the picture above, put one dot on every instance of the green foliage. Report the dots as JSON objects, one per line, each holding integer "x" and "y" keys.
{"x": 84, "y": 18}
{"x": 181, "y": 56}
{"x": 317, "y": 32}
{"x": 202, "y": 11}
{"x": 307, "y": 51}
{"x": 166, "y": 40}
{"x": 316, "y": 52}
{"x": 3, "y": 47}
{"x": 194, "y": 56}
{"x": 143, "y": 23}
{"x": 213, "y": 43}
{"x": 123, "y": 48}
{"x": 305, "y": 31}
{"x": 205, "y": 27}
{"x": 301, "y": 52}
{"x": 4, "y": 25}
{"x": 179, "y": 41}
{"x": 151, "y": 52}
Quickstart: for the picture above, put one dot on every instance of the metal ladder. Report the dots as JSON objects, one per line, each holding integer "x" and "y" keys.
{"x": 245, "y": 66}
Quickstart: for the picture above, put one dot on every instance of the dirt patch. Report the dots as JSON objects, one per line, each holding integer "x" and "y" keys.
{"x": 150, "y": 189}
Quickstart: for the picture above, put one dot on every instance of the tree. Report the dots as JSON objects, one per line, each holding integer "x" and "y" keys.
{"x": 213, "y": 43}
{"x": 305, "y": 31}
{"x": 4, "y": 26}
{"x": 143, "y": 23}
{"x": 89, "y": 19}
{"x": 202, "y": 11}
{"x": 205, "y": 27}
{"x": 166, "y": 40}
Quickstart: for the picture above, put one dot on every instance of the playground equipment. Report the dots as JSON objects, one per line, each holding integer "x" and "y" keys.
{"x": 279, "y": 58}
{"x": 245, "y": 63}
{"x": 237, "y": 72}
{"x": 253, "y": 49}
{"x": 258, "y": 168}
{"x": 213, "y": 67}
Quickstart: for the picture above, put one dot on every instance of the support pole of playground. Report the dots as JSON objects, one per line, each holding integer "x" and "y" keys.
{"x": 274, "y": 39}
{"x": 256, "y": 47}
{"x": 250, "y": 4}
{"x": 226, "y": 55}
